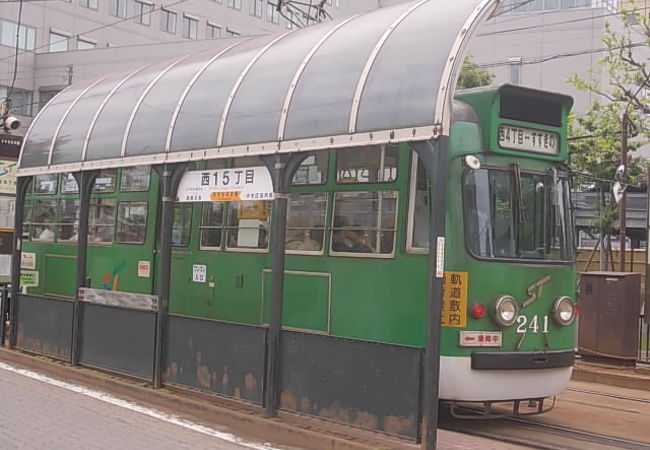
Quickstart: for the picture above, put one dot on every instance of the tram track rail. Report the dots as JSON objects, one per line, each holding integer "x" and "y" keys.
{"x": 533, "y": 434}
{"x": 605, "y": 394}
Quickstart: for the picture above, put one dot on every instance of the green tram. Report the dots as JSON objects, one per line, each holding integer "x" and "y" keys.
{"x": 358, "y": 261}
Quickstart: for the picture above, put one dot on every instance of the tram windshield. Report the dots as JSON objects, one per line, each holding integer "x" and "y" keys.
{"x": 511, "y": 214}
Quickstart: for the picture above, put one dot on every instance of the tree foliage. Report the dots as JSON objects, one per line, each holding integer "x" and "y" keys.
{"x": 473, "y": 76}
{"x": 596, "y": 144}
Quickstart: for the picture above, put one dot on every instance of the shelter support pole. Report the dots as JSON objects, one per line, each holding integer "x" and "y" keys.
{"x": 85, "y": 181}
{"x": 433, "y": 156}
{"x": 623, "y": 203}
{"x": 281, "y": 168}
{"x": 22, "y": 185}
{"x": 170, "y": 177}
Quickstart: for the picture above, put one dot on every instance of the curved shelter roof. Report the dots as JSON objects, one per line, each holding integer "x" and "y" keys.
{"x": 383, "y": 76}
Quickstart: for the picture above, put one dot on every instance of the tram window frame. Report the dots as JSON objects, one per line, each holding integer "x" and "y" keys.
{"x": 74, "y": 224}
{"x": 342, "y": 153}
{"x": 413, "y": 220}
{"x": 40, "y": 180}
{"x": 204, "y": 229}
{"x": 345, "y": 230}
{"x": 321, "y": 163}
{"x": 103, "y": 174}
{"x": 120, "y": 227}
{"x": 46, "y": 225}
{"x": 67, "y": 180}
{"x": 95, "y": 204}
{"x": 185, "y": 226}
{"x": 302, "y": 235}
{"x": 233, "y": 209}
{"x": 131, "y": 185}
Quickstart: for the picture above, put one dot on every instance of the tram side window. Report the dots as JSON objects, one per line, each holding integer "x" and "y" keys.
{"x": 135, "y": 179}
{"x": 182, "y": 224}
{"x": 306, "y": 222}
{"x": 131, "y": 222}
{"x": 101, "y": 221}
{"x": 212, "y": 225}
{"x": 313, "y": 170}
{"x": 372, "y": 164}
{"x": 419, "y": 210}
{"x": 45, "y": 184}
{"x": 69, "y": 184}
{"x": 105, "y": 181}
{"x": 364, "y": 222}
{"x": 43, "y": 220}
{"x": 248, "y": 224}
{"x": 68, "y": 225}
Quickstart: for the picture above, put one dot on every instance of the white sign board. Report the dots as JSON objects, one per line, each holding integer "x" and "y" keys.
{"x": 144, "y": 269}
{"x": 199, "y": 273}
{"x": 246, "y": 183}
{"x": 28, "y": 260}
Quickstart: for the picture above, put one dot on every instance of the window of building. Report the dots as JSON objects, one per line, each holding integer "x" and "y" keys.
{"x": 372, "y": 164}
{"x": 515, "y": 70}
{"x": 101, "y": 220}
{"x": 45, "y": 184}
{"x": 135, "y": 179}
{"x": 234, "y": 4}
{"x": 232, "y": 33}
{"x": 67, "y": 228}
{"x": 306, "y": 222}
{"x": 272, "y": 13}
{"x": 21, "y": 100}
{"x": 212, "y": 31}
{"x": 256, "y": 8}
{"x": 167, "y": 21}
{"x": 117, "y": 8}
{"x": 58, "y": 42}
{"x": 105, "y": 181}
{"x": 190, "y": 27}
{"x": 26, "y": 37}
{"x": 212, "y": 225}
{"x": 92, "y": 4}
{"x": 45, "y": 96}
{"x": 132, "y": 222}
{"x": 84, "y": 44}
{"x": 142, "y": 12}
{"x": 43, "y": 221}
{"x": 182, "y": 224}
{"x": 364, "y": 223}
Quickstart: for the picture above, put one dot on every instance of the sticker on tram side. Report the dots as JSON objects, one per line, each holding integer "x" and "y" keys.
{"x": 454, "y": 299}
{"x": 28, "y": 260}
{"x": 144, "y": 269}
{"x": 199, "y": 272}
{"x": 29, "y": 278}
{"x": 480, "y": 338}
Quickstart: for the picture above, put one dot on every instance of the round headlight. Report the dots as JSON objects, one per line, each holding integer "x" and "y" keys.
{"x": 564, "y": 311}
{"x": 505, "y": 311}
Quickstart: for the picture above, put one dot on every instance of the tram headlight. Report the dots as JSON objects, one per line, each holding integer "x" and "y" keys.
{"x": 505, "y": 311}
{"x": 564, "y": 311}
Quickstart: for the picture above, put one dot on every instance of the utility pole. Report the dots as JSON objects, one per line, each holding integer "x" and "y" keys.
{"x": 622, "y": 204}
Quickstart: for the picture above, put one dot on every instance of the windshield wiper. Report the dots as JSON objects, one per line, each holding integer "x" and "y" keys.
{"x": 518, "y": 205}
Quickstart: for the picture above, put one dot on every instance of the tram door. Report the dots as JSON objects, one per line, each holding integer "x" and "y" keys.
{"x": 122, "y": 230}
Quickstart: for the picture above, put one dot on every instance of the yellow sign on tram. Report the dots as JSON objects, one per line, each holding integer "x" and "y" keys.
{"x": 454, "y": 299}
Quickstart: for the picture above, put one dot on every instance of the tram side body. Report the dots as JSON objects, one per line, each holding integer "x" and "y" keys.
{"x": 378, "y": 298}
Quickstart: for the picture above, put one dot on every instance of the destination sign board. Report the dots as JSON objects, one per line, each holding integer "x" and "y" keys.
{"x": 529, "y": 139}
{"x": 226, "y": 185}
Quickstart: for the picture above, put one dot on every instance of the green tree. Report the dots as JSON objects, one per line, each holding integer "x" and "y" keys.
{"x": 473, "y": 76}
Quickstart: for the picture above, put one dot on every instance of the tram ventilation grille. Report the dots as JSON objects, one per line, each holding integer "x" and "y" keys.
{"x": 516, "y": 106}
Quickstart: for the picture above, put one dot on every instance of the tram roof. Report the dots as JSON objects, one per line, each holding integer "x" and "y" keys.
{"x": 384, "y": 76}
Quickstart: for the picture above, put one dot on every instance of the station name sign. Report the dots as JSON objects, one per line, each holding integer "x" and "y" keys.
{"x": 226, "y": 185}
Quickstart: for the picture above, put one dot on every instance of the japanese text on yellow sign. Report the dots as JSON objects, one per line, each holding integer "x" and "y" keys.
{"x": 454, "y": 299}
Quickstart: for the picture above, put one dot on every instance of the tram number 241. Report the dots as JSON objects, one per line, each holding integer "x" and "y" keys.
{"x": 535, "y": 325}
